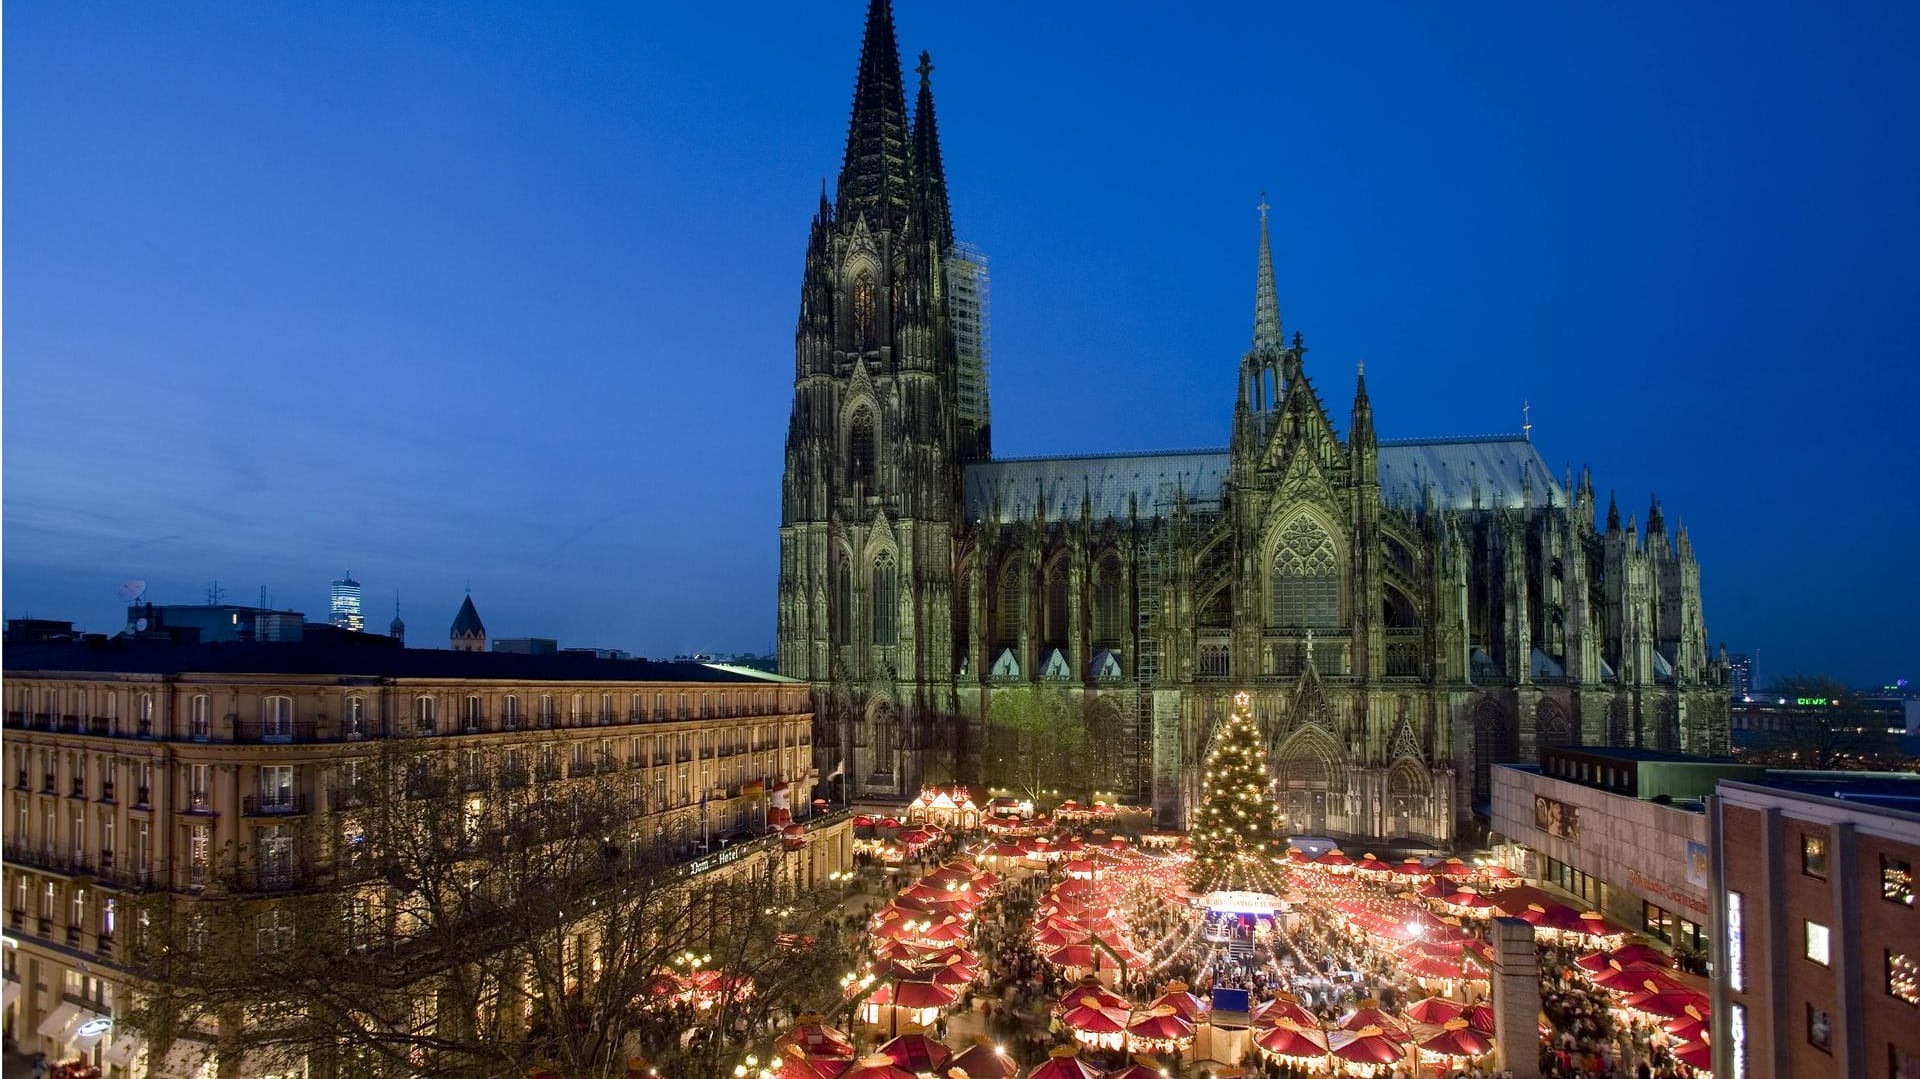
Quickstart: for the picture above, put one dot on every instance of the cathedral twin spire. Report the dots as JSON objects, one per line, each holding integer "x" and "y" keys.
{"x": 890, "y": 166}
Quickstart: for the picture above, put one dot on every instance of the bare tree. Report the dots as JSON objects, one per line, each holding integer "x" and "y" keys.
{"x": 457, "y": 924}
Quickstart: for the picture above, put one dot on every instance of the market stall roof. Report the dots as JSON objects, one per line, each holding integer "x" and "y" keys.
{"x": 984, "y": 1060}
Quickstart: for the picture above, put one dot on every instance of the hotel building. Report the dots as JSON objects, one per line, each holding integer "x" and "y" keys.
{"x": 141, "y": 765}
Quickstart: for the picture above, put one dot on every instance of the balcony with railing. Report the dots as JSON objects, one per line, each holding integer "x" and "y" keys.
{"x": 198, "y": 804}
{"x": 106, "y": 792}
{"x": 271, "y": 876}
{"x": 276, "y": 731}
{"x": 142, "y": 798}
{"x": 275, "y": 805}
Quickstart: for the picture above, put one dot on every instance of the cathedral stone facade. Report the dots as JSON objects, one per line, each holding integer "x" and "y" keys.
{"x": 1404, "y": 613}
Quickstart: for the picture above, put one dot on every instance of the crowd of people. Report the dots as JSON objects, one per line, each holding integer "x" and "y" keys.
{"x": 1310, "y": 952}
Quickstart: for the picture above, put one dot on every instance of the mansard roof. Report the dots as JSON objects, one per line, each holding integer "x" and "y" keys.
{"x": 1110, "y": 482}
{"x": 303, "y": 659}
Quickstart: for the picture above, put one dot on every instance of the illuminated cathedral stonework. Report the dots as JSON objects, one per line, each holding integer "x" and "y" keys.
{"x": 1402, "y": 613}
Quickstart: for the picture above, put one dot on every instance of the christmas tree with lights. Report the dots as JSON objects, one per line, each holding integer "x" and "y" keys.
{"x": 1238, "y": 844}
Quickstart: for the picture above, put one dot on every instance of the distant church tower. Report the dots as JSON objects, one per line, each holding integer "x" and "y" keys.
{"x": 874, "y": 447}
{"x": 469, "y": 634}
{"x": 396, "y": 628}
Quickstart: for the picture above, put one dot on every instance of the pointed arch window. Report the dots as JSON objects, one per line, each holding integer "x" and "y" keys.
{"x": 865, "y": 324}
{"x": 1059, "y": 629}
{"x": 860, "y": 449}
{"x": 841, "y": 618}
{"x": 1011, "y": 607}
{"x": 1106, "y": 604}
{"x": 1306, "y": 583}
{"x": 886, "y": 600}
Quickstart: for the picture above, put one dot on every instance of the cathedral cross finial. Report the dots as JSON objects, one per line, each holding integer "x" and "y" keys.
{"x": 1263, "y": 206}
{"x": 1526, "y": 419}
{"x": 926, "y": 65}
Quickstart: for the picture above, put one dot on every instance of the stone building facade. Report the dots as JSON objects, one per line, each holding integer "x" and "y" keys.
{"x": 135, "y": 767}
{"x": 1405, "y": 613}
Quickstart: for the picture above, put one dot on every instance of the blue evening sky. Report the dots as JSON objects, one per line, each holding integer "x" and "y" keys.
{"x": 505, "y": 294}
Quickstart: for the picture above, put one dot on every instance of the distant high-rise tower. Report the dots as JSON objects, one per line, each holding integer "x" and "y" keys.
{"x": 346, "y": 604}
{"x": 468, "y": 634}
{"x": 1739, "y": 676}
{"x": 968, "y": 311}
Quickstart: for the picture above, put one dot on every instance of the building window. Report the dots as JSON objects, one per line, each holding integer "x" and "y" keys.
{"x": 1737, "y": 941}
{"x": 423, "y": 715}
{"x": 198, "y": 778}
{"x": 276, "y": 788}
{"x": 860, "y": 451}
{"x": 1903, "y": 977}
{"x": 199, "y": 853}
{"x": 276, "y": 718}
{"x": 273, "y": 931}
{"x": 200, "y": 723}
{"x": 510, "y": 713}
{"x": 886, "y": 605}
{"x": 1817, "y": 943}
{"x": 471, "y": 714}
{"x": 1819, "y": 1029}
{"x": 1306, "y": 586}
{"x": 1896, "y": 881}
{"x": 606, "y": 708}
{"x": 1813, "y": 856}
{"x": 356, "y": 717}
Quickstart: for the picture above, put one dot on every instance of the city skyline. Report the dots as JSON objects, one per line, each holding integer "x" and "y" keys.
{"x": 508, "y": 408}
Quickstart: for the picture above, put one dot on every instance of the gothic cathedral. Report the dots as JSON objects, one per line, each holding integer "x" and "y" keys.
{"x": 1404, "y": 613}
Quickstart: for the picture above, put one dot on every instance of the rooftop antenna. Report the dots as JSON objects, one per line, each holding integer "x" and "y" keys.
{"x": 215, "y": 594}
{"x": 1526, "y": 419}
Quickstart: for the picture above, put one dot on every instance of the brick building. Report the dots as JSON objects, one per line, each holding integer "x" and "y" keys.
{"x": 1816, "y": 939}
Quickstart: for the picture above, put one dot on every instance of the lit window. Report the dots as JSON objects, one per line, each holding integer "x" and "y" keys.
{"x": 1817, "y": 943}
{"x": 1813, "y": 856}
{"x": 1903, "y": 977}
{"x": 1896, "y": 881}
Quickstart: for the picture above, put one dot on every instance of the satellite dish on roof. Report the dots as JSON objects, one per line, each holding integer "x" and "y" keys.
{"x": 139, "y": 625}
{"x": 132, "y": 591}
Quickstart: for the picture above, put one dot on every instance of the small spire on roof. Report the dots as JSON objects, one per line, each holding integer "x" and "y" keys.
{"x": 1526, "y": 419}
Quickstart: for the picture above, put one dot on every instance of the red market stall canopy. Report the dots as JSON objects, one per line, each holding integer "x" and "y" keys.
{"x": 1455, "y": 1038}
{"x": 916, "y": 1053}
{"x": 1697, "y": 1054}
{"x": 1368, "y": 1045}
{"x": 1369, "y": 1015}
{"x": 1091, "y": 993}
{"x": 1290, "y": 1040}
{"x": 1064, "y": 1063}
{"x": 1162, "y": 1025}
{"x": 984, "y": 1060}
{"x": 1434, "y": 1010}
{"x": 877, "y": 1066}
{"x": 1177, "y": 998}
{"x": 812, "y": 1037}
{"x": 1283, "y": 1008}
{"x": 1597, "y": 961}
